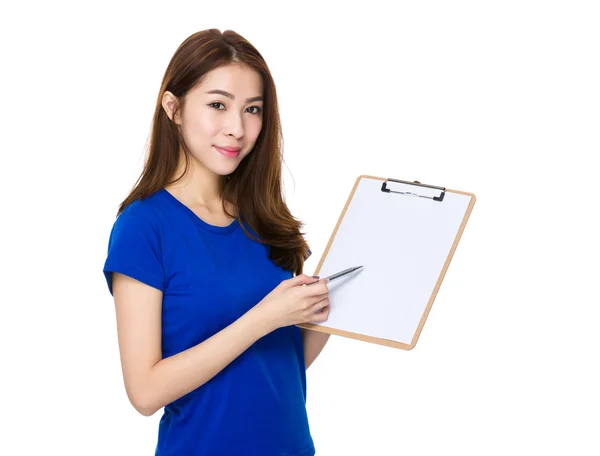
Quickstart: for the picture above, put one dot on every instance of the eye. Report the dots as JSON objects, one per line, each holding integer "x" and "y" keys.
{"x": 216, "y": 103}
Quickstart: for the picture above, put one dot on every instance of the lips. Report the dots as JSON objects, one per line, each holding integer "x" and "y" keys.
{"x": 228, "y": 151}
{"x": 229, "y": 148}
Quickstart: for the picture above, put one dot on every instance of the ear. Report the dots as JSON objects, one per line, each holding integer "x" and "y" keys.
{"x": 169, "y": 103}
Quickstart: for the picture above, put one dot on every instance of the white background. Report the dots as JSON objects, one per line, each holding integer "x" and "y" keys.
{"x": 500, "y": 99}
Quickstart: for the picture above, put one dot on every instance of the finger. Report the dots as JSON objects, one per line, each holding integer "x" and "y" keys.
{"x": 312, "y": 298}
{"x": 321, "y": 316}
{"x": 324, "y": 280}
{"x": 302, "y": 279}
{"x": 320, "y": 304}
{"x": 316, "y": 288}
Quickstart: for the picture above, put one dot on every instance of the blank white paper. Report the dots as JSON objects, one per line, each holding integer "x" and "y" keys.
{"x": 403, "y": 242}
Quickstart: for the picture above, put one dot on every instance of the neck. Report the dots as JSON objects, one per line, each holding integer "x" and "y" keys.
{"x": 199, "y": 185}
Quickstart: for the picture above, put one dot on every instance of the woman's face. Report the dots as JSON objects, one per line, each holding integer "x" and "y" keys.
{"x": 231, "y": 117}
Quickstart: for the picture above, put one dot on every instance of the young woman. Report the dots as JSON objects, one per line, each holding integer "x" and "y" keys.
{"x": 205, "y": 265}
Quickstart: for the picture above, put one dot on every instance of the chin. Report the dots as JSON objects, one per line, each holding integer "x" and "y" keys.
{"x": 222, "y": 171}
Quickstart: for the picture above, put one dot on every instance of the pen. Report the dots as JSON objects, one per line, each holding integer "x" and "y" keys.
{"x": 337, "y": 275}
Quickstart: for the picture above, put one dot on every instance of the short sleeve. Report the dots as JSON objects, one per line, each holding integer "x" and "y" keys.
{"x": 134, "y": 250}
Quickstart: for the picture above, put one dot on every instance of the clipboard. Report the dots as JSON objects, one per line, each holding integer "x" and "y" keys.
{"x": 404, "y": 234}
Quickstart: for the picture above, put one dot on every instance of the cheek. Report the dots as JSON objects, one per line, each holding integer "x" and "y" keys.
{"x": 254, "y": 129}
{"x": 201, "y": 127}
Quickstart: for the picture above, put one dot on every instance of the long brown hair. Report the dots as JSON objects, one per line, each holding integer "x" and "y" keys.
{"x": 254, "y": 188}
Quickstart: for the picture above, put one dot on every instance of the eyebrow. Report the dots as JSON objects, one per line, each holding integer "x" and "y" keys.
{"x": 229, "y": 95}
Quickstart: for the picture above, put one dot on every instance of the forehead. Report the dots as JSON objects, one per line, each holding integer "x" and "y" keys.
{"x": 241, "y": 81}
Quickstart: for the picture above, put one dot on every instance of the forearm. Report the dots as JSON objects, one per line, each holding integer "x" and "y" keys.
{"x": 177, "y": 375}
{"x": 313, "y": 343}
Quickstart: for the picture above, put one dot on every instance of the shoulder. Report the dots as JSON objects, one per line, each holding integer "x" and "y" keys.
{"x": 144, "y": 209}
{"x": 138, "y": 217}
{"x": 135, "y": 246}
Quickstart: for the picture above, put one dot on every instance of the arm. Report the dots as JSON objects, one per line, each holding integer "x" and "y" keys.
{"x": 152, "y": 382}
{"x": 313, "y": 343}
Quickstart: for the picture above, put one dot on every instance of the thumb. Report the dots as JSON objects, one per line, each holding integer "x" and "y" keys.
{"x": 302, "y": 279}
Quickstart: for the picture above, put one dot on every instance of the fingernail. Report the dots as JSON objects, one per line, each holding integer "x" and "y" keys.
{"x": 315, "y": 277}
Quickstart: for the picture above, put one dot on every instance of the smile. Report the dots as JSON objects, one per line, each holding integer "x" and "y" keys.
{"x": 227, "y": 153}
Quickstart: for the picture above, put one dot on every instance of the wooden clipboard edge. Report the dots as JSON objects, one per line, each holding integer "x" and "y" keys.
{"x": 351, "y": 335}
{"x": 378, "y": 340}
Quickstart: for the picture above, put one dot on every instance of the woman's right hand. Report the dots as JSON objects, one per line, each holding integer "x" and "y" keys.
{"x": 291, "y": 303}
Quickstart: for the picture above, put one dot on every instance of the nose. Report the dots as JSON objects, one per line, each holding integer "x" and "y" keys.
{"x": 234, "y": 125}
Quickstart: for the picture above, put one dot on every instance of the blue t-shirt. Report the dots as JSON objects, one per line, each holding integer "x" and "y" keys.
{"x": 210, "y": 276}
